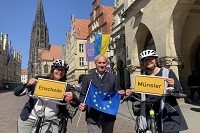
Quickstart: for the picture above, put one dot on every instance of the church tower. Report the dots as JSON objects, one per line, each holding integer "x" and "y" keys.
{"x": 39, "y": 41}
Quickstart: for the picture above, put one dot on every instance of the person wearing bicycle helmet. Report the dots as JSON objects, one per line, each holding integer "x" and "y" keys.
{"x": 172, "y": 119}
{"x": 53, "y": 111}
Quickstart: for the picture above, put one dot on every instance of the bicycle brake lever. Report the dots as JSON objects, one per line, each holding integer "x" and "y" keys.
{"x": 126, "y": 99}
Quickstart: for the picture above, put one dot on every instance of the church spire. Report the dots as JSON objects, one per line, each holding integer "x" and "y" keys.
{"x": 39, "y": 17}
{"x": 39, "y": 40}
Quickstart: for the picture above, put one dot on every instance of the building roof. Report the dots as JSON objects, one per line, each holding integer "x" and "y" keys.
{"x": 56, "y": 51}
{"x": 46, "y": 55}
{"x": 81, "y": 28}
{"x": 53, "y": 54}
{"x": 24, "y": 72}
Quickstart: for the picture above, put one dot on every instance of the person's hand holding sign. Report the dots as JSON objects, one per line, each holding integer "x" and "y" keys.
{"x": 170, "y": 82}
{"x": 129, "y": 91}
{"x": 68, "y": 96}
{"x": 32, "y": 81}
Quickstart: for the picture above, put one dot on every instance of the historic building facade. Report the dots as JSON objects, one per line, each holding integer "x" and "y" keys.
{"x": 10, "y": 62}
{"x": 169, "y": 27}
{"x": 75, "y": 49}
{"x": 118, "y": 44}
{"x": 24, "y": 76}
{"x": 101, "y": 19}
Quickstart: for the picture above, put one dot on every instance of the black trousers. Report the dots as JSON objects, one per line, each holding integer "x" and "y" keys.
{"x": 192, "y": 91}
{"x": 106, "y": 127}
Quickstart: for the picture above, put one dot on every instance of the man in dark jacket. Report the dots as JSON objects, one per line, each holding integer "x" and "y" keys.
{"x": 97, "y": 120}
{"x": 79, "y": 87}
{"x": 193, "y": 83}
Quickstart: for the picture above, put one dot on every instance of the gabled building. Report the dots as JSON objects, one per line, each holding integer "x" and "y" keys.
{"x": 75, "y": 49}
{"x": 101, "y": 19}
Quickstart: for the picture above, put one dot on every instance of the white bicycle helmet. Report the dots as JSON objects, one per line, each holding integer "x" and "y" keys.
{"x": 60, "y": 63}
{"x": 148, "y": 53}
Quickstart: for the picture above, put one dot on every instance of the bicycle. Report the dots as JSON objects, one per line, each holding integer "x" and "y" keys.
{"x": 41, "y": 113}
{"x": 150, "y": 126}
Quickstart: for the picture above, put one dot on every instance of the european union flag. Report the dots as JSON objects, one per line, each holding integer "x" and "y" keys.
{"x": 107, "y": 102}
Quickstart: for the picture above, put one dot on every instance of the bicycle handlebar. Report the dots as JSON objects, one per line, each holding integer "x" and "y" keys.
{"x": 47, "y": 99}
{"x": 174, "y": 94}
{"x": 179, "y": 95}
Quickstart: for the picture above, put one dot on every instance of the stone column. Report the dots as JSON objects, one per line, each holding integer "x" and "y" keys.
{"x": 174, "y": 63}
{"x": 134, "y": 70}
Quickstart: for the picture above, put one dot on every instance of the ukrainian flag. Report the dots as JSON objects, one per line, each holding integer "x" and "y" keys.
{"x": 101, "y": 44}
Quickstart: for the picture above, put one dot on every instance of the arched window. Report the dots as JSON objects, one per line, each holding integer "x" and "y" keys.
{"x": 46, "y": 68}
{"x": 149, "y": 43}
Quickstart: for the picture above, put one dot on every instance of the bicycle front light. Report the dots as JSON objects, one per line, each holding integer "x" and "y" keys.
{"x": 170, "y": 89}
{"x": 40, "y": 113}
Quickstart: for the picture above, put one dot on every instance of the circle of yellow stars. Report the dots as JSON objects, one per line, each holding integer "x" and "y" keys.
{"x": 97, "y": 105}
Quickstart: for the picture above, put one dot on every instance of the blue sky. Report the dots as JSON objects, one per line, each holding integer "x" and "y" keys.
{"x": 17, "y": 16}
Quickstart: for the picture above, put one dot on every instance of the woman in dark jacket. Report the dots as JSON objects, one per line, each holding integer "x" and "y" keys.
{"x": 28, "y": 115}
{"x": 169, "y": 118}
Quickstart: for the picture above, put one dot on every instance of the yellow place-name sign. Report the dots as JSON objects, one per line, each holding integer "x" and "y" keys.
{"x": 149, "y": 84}
{"x": 50, "y": 89}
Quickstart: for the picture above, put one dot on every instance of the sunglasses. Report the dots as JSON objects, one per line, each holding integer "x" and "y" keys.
{"x": 60, "y": 69}
{"x": 148, "y": 59}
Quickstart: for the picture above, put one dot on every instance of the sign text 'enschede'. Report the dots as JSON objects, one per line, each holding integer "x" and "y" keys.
{"x": 50, "y": 89}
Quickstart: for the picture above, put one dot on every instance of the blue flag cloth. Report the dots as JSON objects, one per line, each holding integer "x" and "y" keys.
{"x": 107, "y": 102}
{"x": 97, "y": 44}
{"x": 89, "y": 52}
{"x": 10, "y": 49}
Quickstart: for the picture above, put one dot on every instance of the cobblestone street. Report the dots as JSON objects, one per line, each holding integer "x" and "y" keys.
{"x": 10, "y": 108}
{"x": 122, "y": 125}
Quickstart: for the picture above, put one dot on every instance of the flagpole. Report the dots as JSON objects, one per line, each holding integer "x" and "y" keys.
{"x": 84, "y": 103}
{"x": 87, "y": 91}
{"x": 79, "y": 118}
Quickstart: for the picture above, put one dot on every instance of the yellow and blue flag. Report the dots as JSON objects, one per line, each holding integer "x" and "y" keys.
{"x": 107, "y": 102}
{"x": 101, "y": 44}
